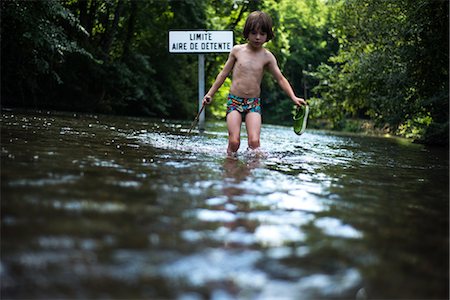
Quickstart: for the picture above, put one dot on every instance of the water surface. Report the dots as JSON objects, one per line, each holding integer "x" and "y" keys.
{"x": 115, "y": 207}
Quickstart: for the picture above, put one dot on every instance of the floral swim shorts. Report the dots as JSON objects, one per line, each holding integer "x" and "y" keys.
{"x": 243, "y": 105}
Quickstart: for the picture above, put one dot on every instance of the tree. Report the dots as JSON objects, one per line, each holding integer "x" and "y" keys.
{"x": 392, "y": 66}
{"x": 35, "y": 46}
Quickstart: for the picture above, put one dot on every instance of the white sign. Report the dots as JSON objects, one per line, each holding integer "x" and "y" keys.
{"x": 200, "y": 41}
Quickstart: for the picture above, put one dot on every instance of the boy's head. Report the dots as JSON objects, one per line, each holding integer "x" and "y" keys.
{"x": 258, "y": 20}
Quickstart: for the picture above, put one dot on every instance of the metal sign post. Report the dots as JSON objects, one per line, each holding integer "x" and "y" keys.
{"x": 201, "y": 42}
{"x": 201, "y": 90}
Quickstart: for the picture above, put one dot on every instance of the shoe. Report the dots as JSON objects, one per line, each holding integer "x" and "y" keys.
{"x": 300, "y": 119}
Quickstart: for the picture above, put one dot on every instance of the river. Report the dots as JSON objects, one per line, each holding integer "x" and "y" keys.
{"x": 106, "y": 207}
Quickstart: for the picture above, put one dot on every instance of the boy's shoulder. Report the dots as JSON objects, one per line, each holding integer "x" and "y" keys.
{"x": 238, "y": 47}
{"x": 269, "y": 55}
{"x": 267, "y": 52}
{"x": 237, "y": 50}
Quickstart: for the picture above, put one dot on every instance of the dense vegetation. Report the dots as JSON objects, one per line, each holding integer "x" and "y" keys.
{"x": 383, "y": 61}
{"x": 391, "y": 67}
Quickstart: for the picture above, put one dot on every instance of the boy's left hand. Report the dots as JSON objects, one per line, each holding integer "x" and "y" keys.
{"x": 299, "y": 101}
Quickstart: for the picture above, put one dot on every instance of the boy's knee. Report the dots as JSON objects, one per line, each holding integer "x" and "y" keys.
{"x": 253, "y": 143}
{"x": 234, "y": 143}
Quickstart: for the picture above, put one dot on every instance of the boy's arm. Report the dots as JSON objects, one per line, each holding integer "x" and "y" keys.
{"x": 283, "y": 82}
{"x": 221, "y": 77}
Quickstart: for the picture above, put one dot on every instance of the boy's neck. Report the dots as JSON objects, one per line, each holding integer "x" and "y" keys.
{"x": 255, "y": 49}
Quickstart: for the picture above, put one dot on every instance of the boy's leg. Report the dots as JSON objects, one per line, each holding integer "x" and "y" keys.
{"x": 234, "y": 121}
{"x": 253, "y": 124}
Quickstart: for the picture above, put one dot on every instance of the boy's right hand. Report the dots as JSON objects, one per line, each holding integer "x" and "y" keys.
{"x": 206, "y": 100}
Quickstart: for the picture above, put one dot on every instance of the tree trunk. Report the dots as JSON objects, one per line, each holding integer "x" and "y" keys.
{"x": 82, "y": 6}
{"x": 109, "y": 34}
{"x": 91, "y": 17}
{"x": 130, "y": 30}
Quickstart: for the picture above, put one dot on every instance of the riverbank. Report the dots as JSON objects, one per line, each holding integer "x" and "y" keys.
{"x": 361, "y": 126}
{"x": 369, "y": 128}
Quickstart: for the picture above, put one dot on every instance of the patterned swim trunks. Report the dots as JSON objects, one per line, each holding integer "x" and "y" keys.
{"x": 243, "y": 105}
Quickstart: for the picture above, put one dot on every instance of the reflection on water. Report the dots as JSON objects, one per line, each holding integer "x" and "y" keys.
{"x": 109, "y": 207}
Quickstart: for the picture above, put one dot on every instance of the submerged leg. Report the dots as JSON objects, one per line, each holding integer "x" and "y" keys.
{"x": 253, "y": 124}
{"x": 234, "y": 121}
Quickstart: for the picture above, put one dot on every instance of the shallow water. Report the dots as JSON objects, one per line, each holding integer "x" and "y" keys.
{"x": 115, "y": 207}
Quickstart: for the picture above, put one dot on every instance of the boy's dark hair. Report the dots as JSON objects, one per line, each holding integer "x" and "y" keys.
{"x": 258, "y": 20}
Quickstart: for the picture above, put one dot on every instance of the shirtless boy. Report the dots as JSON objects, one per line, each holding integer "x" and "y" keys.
{"x": 247, "y": 62}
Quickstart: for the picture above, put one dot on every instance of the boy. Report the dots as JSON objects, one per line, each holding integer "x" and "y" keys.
{"x": 248, "y": 62}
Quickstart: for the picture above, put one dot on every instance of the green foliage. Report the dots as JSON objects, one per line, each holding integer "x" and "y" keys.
{"x": 34, "y": 47}
{"x": 392, "y": 66}
{"x": 98, "y": 56}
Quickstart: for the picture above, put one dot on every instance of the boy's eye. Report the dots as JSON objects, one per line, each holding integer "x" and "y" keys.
{"x": 256, "y": 32}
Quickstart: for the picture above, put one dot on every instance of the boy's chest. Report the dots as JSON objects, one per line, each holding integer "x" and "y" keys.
{"x": 251, "y": 63}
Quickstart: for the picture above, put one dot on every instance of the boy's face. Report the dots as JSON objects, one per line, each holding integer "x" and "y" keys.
{"x": 257, "y": 38}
